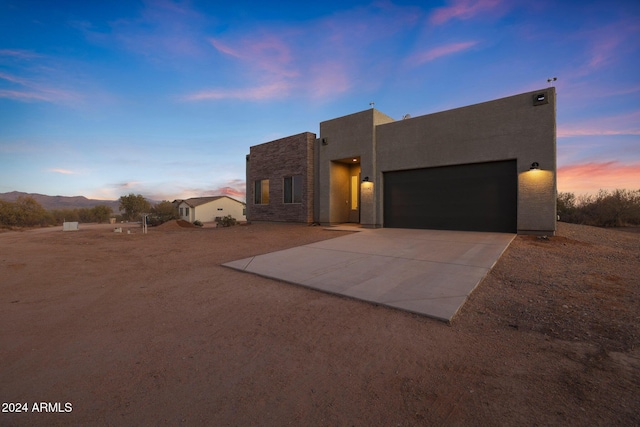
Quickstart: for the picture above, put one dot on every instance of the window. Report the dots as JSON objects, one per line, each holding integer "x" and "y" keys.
{"x": 181, "y": 212}
{"x": 186, "y": 211}
{"x": 293, "y": 189}
{"x": 261, "y": 192}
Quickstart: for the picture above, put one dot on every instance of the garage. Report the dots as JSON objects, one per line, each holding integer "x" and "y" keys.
{"x": 470, "y": 197}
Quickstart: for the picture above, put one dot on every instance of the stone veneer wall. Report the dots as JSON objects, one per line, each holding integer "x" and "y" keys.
{"x": 290, "y": 156}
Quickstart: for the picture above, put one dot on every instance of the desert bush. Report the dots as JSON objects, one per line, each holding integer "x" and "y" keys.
{"x": 24, "y": 212}
{"x": 164, "y": 211}
{"x": 27, "y": 212}
{"x": 615, "y": 208}
{"x": 198, "y": 223}
{"x": 227, "y": 221}
{"x": 101, "y": 213}
{"x": 8, "y": 214}
{"x": 61, "y": 215}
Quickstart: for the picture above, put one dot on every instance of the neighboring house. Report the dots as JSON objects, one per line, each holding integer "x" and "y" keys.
{"x": 484, "y": 167}
{"x": 207, "y": 209}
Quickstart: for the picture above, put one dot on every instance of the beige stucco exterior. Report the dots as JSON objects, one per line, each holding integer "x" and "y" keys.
{"x": 520, "y": 129}
{"x": 207, "y": 209}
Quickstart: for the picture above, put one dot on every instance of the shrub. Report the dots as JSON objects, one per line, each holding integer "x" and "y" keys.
{"x": 616, "y": 208}
{"x": 198, "y": 223}
{"x": 164, "y": 211}
{"x": 227, "y": 221}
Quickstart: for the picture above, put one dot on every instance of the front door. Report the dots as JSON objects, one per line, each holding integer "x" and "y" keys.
{"x": 354, "y": 194}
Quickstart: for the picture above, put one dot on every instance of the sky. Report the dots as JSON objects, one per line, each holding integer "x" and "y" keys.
{"x": 164, "y": 98}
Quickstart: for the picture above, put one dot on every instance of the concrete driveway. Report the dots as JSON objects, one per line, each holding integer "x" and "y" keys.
{"x": 429, "y": 272}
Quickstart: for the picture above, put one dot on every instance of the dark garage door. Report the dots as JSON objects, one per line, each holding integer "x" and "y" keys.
{"x": 473, "y": 197}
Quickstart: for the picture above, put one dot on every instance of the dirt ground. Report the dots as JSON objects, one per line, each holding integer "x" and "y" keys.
{"x": 148, "y": 329}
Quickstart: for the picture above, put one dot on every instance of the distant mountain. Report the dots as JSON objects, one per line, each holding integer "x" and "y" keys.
{"x": 61, "y": 202}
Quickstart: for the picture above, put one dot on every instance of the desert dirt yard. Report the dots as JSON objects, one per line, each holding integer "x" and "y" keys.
{"x": 104, "y": 328}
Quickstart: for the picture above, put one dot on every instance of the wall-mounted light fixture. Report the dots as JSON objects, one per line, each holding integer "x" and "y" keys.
{"x": 324, "y": 141}
{"x": 535, "y": 166}
{"x": 365, "y": 179}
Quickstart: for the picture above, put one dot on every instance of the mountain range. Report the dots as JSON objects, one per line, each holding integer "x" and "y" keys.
{"x": 61, "y": 202}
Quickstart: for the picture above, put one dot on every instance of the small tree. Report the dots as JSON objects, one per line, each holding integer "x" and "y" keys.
{"x": 30, "y": 212}
{"x": 606, "y": 209}
{"x": 101, "y": 213}
{"x": 164, "y": 211}
{"x": 8, "y": 214}
{"x": 133, "y": 205}
{"x": 566, "y": 203}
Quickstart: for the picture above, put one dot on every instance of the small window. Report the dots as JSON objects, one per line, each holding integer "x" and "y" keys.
{"x": 292, "y": 189}
{"x": 186, "y": 211}
{"x": 261, "y": 192}
{"x": 181, "y": 212}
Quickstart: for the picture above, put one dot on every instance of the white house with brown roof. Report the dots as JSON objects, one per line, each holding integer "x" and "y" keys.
{"x": 208, "y": 209}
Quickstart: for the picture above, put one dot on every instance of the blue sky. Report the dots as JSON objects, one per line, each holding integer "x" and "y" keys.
{"x": 164, "y": 98}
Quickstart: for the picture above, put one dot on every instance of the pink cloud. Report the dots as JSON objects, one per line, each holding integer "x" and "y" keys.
{"x": 612, "y": 43}
{"x": 233, "y": 188}
{"x": 326, "y": 65}
{"x": 270, "y": 91}
{"x": 332, "y": 78}
{"x": 592, "y": 176}
{"x": 626, "y": 124}
{"x": 437, "y": 52}
{"x": 62, "y": 171}
{"x": 462, "y": 9}
{"x": 19, "y": 54}
{"x": 163, "y": 30}
{"x": 262, "y": 53}
{"x": 23, "y": 96}
{"x": 224, "y": 48}
{"x": 33, "y": 91}
{"x": 231, "y": 192}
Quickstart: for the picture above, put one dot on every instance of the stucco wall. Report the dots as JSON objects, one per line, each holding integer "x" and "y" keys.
{"x": 218, "y": 208}
{"x": 291, "y": 156}
{"x": 515, "y": 127}
{"x": 508, "y": 128}
{"x": 184, "y": 206}
{"x": 207, "y": 212}
{"x": 351, "y": 136}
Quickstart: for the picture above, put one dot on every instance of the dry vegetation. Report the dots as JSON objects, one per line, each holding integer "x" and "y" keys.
{"x": 139, "y": 329}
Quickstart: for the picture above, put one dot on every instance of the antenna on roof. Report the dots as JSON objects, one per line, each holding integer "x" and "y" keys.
{"x": 406, "y": 116}
{"x": 371, "y": 104}
{"x": 550, "y": 80}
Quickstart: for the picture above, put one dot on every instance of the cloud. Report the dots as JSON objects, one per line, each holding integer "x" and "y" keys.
{"x": 317, "y": 59}
{"x": 163, "y": 29}
{"x": 612, "y": 43}
{"x": 462, "y": 9}
{"x": 158, "y": 190}
{"x": 231, "y": 192}
{"x": 437, "y": 52}
{"x": 271, "y": 91}
{"x": 267, "y": 53}
{"x": 19, "y": 54}
{"x": 62, "y": 171}
{"x": 127, "y": 185}
{"x": 626, "y": 124}
{"x": 232, "y": 188}
{"x": 592, "y": 176}
{"x": 36, "y": 89}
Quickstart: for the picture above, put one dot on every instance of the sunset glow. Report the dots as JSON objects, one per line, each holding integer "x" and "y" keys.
{"x": 164, "y": 98}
